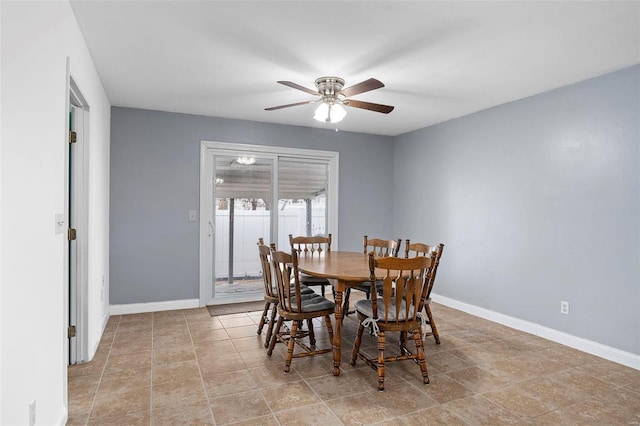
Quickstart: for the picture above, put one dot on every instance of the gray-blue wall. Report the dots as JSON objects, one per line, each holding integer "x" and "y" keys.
{"x": 537, "y": 201}
{"x": 155, "y": 168}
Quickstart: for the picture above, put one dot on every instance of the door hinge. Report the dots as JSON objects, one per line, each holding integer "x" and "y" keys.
{"x": 73, "y": 137}
{"x": 71, "y": 234}
{"x": 71, "y": 331}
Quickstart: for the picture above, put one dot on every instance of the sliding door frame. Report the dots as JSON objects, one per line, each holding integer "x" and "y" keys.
{"x": 207, "y": 230}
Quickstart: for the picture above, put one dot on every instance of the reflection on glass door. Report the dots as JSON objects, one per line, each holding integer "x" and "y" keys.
{"x": 242, "y": 198}
{"x": 302, "y": 198}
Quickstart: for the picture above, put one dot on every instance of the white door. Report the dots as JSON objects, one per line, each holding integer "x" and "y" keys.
{"x": 77, "y": 211}
{"x": 72, "y": 244}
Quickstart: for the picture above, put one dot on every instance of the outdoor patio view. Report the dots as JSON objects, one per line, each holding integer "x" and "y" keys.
{"x": 240, "y": 276}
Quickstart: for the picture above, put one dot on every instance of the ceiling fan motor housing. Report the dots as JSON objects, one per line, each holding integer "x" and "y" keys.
{"x": 329, "y": 87}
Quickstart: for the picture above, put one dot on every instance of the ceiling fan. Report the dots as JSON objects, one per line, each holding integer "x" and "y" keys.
{"x": 332, "y": 95}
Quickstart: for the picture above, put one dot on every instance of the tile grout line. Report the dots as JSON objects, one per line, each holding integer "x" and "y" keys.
{"x": 322, "y": 401}
{"x": 204, "y": 387}
{"x": 104, "y": 367}
{"x": 273, "y": 414}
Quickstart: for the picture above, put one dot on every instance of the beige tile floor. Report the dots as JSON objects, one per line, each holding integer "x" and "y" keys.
{"x": 185, "y": 367}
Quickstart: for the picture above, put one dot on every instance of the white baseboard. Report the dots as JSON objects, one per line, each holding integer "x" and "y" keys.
{"x": 139, "y": 308}
{"x": 103, "y": 326}
{"x": 62, "y": 420}
{"x": 105, "y": 320}
{"x": 594, "y": 348}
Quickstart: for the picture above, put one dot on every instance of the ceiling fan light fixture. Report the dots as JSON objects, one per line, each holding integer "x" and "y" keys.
{"x": 329, "y": 113}
{"x": 246, "y": 160}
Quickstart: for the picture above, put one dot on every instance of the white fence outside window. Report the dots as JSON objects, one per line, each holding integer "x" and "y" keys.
{"x": 249, "y": 225}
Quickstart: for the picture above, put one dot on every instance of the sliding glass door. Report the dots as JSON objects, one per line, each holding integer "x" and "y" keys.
{"x": 238, "y": 186}
{"x": 242, "y": 214}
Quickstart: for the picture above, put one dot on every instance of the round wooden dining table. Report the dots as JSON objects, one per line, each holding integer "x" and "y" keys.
{"x": 345, "y": 269}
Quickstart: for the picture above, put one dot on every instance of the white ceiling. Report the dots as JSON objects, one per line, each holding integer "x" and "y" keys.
{"x": 439, "y": 60}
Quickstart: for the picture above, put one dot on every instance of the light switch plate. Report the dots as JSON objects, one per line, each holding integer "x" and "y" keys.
{"x": 192, "y": 215}
{"x": 60, "y": 223}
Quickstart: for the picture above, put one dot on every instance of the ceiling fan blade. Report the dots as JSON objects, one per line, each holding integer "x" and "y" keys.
{"x": 297, "y": 86}
{"x": 361, "y": 87}
{"x": 290, "y": 105}
{"x": 385, "y": 109}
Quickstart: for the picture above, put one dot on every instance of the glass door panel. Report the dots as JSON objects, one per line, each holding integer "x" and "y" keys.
{"x": 242, "y": 206}
{"x": 302, "y": 198}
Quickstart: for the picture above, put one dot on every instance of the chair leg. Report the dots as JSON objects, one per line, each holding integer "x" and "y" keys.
{"x": 272, "y": 322}
{"x": 345, "y": 305}
{"x": 312, "y": 334}
{"x": 327, "y": 322}
{"x": 274, "y": 337}
{"x": 322, "y": 289}
{"x": 432, "y": 324}
{"x": 263, "y": 317}
{"x": 292, "y": 342}
{"x": 417, "y": 337}
{"x": 356, "y": 344}
{"x": 381, "y": 344}
{"x": 403, "y": 343}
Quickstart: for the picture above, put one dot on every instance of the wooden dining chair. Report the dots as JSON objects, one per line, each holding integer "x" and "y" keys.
{"x": 270, "y": 292}
{"x": 435, "y": 252}
{"x": 404, "y": 290}
{"x": 311, "y": 246}
{"x": 292, "y": 306}
{"x": 380, "y": 248}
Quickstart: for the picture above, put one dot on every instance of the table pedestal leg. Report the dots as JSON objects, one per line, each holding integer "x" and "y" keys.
{"x": 337, "y": 333}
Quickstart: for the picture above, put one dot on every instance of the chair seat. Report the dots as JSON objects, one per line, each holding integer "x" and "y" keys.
{"x": 314, "y": 304}
{"x": 305, "y": 295}
{"x": 304, "y": 279}
{"x": 365, "y": 308}
{"x": 303, "y": 289}
{"x": 366, "y": 287}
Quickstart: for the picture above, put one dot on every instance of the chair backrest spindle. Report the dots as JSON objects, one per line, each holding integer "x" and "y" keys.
{"x": 310, "y": 245}
{"x": 381, "y": 248}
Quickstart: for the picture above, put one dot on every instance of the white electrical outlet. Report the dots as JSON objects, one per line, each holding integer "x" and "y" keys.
{"x": 32, "y": 413}
{"x": 564, "y": 307}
